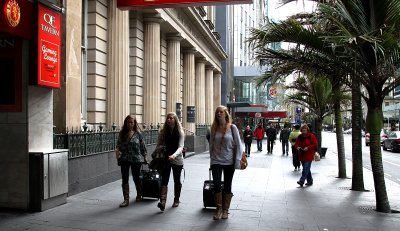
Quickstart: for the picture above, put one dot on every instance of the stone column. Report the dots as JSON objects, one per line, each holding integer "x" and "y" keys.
{"x": 209, "y": 107}
{"x": 118, "y": 68}
{"x": 151, "y": 72}
{"x": 173, "y": 71}
{"x": 217, "y": 89}
{"x": 200, "y": 91}
{"x": 188, "y": 87}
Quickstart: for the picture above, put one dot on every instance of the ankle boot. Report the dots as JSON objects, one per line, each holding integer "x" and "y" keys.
{"x": 139, "y": 192}
{"x": 163, "y": 197}
{"x": 125, "y": 192}
{"x": 177, "y": 192}
{"x": 218, "y": 203}
{"x": 226, "y": 204}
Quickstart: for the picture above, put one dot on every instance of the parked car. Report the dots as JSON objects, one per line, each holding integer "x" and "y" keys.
{"x": 392, "y": 142}
{"x": 349, "y": 131}
{"x": 383, "y": 137}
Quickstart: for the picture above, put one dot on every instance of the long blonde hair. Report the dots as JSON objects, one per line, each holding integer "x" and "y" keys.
{"x": 177, "y": 128}
{"x": 216, "y": 123}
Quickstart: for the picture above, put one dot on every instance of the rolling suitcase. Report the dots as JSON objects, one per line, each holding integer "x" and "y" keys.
{"x": 151, "y": 182}
{"x": 208, "y": 192}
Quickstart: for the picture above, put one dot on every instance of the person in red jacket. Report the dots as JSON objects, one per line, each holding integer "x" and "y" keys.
{"x": 259, "y": 134}
{"x": 306, "y": 144}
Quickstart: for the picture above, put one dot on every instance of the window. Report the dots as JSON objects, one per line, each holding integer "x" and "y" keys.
{"x": 11, "y": 74}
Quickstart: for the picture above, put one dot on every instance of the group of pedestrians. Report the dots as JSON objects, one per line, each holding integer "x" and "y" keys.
{"x": 303, "y": 145}
{"x": 225, "y": 154}
{"x": 225, "y": 149}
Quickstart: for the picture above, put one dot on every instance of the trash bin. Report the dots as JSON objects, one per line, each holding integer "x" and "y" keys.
{"x": 323, "y": 152}
{"x": 48, "y": 179}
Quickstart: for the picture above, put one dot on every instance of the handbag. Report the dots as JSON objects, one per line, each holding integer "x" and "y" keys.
{"x": 317, "y": 157}
{"x": 243, "y": 161}
{"x": 159, "y": 152}
{"x": 159, "y": 158}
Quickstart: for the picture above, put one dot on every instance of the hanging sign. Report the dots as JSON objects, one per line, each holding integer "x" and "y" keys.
{"x": 12, "y": 13}
{"x": 135, "y": 4}
{"x": 191, "y": 114}
{"x": 49, "y": 47}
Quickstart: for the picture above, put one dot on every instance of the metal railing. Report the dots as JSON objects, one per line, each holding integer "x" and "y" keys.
{"x": 201, "y": 129}
{"x": 83, "y": 142}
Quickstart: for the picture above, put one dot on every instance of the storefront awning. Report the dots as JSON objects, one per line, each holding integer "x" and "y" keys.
{"x": 137, "y": 4}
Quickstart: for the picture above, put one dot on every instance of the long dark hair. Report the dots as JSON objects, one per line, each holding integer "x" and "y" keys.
{"x": 123, "y": 134}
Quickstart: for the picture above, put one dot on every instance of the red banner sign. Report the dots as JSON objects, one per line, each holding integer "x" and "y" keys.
{"x": 49, "y": 47}
{"x": 135, "y": 4}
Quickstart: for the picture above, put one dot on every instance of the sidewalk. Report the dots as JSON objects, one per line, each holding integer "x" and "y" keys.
{"x": 266, "y": 197}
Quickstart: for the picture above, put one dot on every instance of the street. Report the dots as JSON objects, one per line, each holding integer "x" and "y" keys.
{"x": 391, "y": 161}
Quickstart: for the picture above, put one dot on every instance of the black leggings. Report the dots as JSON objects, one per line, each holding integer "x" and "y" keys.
{"x": 296, "y": 162}
{"x": 176, "y": 171}
{"x": 125, "y": 166}
{"x": 217, "y": 170}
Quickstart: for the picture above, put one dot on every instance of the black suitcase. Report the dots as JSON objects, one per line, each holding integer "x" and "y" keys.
{"x": 151, "y": 182}
{"x": 208, "y": 192}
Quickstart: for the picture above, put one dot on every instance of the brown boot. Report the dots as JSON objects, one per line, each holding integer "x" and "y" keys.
{"x": 177, "y": 193}
{"x": 218, "y": 203}
{"x": 163, "y": 197}
{"x": 139, "y": 192}
{"x": 226, "y": 204}
{"x": 125, "y": 192}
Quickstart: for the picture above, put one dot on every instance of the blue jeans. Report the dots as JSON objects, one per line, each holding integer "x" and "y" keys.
{"x": 285, "y": 147}
{"x": 259, "y": 145}
{"x": 306, "y": 174}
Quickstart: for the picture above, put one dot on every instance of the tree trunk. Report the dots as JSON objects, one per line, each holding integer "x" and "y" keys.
{"x": 340, "y": 140}
{"x": 374, "y": 125}
{"x": 357, "y": 182}
{"x": 318, "y": 129}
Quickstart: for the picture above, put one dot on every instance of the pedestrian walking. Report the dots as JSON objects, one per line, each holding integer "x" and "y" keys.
{"x": 172, "y": 136}
{"x": 248, "y": 139}
{"x": 295, "y": 155}
{"x": 224, "y": 159}
{"x": 259, "y": 134}
{"x": 307, "y": 145}
{"x": 271, "y": 136}
{"x": 284, "y": 139}
{"x": 130, "y": 153}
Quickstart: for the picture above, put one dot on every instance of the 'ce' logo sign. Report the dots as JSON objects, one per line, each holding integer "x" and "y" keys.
{"x": 50, "y": 19}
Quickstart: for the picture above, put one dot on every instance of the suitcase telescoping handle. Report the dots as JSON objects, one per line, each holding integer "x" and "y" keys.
{"x": 209, "y": 174}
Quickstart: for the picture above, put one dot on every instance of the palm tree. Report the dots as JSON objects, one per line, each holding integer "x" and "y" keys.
{"x": 363, "y": 33}
{"x": 314, "y": 93}
{"x": 318, "y": 59}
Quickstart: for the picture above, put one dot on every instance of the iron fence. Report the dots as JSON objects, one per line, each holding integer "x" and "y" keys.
{"x": 83, "y": 143}
{"x": 201, "y": 129}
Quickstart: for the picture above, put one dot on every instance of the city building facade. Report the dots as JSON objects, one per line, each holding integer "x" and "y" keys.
{"x": 109, "y": 63}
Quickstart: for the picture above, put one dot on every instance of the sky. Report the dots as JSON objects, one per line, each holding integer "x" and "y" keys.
{"x": 283, "y": 12}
